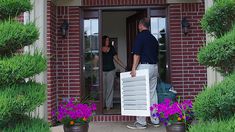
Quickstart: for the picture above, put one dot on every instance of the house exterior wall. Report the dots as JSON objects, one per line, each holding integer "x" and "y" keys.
{"x": 52, "y": 60}
{"x": 183, "y": 1}
{"x": 64, "y": 67}
{"x": 121, "y": 2}
{"x": 187, "y": 76}
{"x": 68, "y": 53}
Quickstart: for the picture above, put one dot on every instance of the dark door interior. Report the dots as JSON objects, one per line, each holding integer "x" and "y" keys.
{"x": 158, "y": 29}
{"x": 132, "y": 31}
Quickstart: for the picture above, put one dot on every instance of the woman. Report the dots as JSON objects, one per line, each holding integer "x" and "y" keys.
{"x": 109, "y": 55}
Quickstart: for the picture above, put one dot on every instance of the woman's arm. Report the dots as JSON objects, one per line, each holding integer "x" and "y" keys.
{"x": 119, "y": 62}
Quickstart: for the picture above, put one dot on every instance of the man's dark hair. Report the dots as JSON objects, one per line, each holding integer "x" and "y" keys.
{"x": 145, "y": 21}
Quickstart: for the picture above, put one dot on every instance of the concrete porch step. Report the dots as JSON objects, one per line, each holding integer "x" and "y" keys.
{"x": 113, "y": 127}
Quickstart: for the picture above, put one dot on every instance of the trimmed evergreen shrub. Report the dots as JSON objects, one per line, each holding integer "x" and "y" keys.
{"x": 12, "y": 8}
{"x": 219, "y": 18}
{"x": 14, "y": 36}
{"x": 214, "y": 126}
{"x": 219, "y": 53}
{"x": 19, "y": 67}
{"x": 215, "y": 106}
{"x": 216, "y": 102}
{"x": 17, "y": 99}
{"x": 29, "y": 125}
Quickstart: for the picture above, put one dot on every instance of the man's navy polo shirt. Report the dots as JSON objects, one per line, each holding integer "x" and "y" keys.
{"x": 146, "y": 45}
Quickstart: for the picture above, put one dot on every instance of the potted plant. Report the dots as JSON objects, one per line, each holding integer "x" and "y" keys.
{"x": 176, "y": 116}
{"x": 75, "y": 115}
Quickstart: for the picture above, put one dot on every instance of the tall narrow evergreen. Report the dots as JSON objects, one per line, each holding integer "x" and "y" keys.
{"x": 18, "y": 97}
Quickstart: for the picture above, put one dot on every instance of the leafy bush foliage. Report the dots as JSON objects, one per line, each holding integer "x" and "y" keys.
{"x": 219, "y": 18}
{"x": 17, "y": 99}
{"x": 12, "y": 8}
{"x": 29, "y": 125}
{"x": 220, "y": 53}
{"x": 214, "y": 126}
{"x": 14, "y": 36}
{"x": 19, "y": 67}
{"x": 216, "y": 102}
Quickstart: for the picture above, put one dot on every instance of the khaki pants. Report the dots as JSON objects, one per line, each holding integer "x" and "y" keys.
{"x": 153, "y": 74}
{"x": 108, "y": 81}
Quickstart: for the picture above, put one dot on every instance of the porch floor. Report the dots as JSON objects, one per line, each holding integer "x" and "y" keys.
{"x": 113, "y": 127}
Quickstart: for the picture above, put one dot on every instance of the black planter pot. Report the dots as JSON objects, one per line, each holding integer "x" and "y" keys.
{"x": 76, "y": 128}
{"x": 176, "y": 127}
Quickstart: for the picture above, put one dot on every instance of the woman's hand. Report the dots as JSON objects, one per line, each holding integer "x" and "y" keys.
{"x": 119, "y": 62}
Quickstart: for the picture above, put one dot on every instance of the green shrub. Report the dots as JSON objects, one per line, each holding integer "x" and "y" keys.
{"x": 216, "y": 102}
{"x": 12, "y": 8}
{"x": 219, "y": 18}
{"x": 220, "y": 53}
{"x": 214, "y": 126}
{"x": 14, "y": 36}
{"x": 17, "y": 99}
{"x": 19, "y": 67}
{"x": 29, "y": 125}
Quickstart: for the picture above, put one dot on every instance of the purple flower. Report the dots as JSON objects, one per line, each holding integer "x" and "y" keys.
{"x": 169, "y": 112}
{"x": 165, "y": 123}
{"x": 72, "y": 110}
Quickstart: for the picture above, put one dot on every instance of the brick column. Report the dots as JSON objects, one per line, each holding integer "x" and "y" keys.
{"x": 187, "y": 75}
{"x": 51, "y": 55}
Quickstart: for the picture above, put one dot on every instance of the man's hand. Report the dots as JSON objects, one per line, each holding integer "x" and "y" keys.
{"x": 133, "y": 73}
{"x": 136, "y": 59}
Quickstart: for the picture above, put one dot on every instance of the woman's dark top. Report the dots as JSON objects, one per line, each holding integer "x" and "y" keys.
{"x": 108, "y": 64}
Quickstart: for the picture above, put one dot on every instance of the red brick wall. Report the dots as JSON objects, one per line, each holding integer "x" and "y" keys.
{"x": 187, "y": 76}
{"x": 68, "y": 53}
{"x": 121, "y": 2}
{"x": 51, "y": 64}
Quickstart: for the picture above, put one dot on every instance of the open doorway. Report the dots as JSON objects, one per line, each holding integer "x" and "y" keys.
{"x": 121, "y": 27}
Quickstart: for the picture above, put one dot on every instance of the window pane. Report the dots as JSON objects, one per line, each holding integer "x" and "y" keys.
{"x": 91, "y": 58}
{"x": 158, "y": 29}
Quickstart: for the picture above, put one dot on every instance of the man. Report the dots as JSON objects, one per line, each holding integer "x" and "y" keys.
{"x": 145, "y": 56}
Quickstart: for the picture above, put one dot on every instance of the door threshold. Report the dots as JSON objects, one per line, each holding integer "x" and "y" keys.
{"x": 113, "y": 118}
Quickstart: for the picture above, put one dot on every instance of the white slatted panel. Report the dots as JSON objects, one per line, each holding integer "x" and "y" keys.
{"x": 135, "y": 100}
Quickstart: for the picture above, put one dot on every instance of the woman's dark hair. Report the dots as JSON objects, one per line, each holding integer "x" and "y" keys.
{"x": 104, "y": 40}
